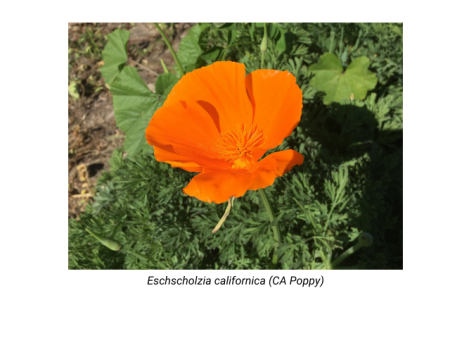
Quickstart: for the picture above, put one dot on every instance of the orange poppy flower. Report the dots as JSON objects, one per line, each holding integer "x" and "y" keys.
{"x": 219, "y": 122}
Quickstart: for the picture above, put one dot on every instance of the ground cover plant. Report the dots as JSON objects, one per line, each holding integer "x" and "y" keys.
{"x": 342, "y": 208}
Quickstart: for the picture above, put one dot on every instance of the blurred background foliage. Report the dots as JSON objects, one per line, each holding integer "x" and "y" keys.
{"x": 350, "y": 181}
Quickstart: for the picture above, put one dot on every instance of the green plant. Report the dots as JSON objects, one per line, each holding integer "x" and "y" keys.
{"x": 85, "y": 51}
{"x": 352, "y": 83}
{"x": 350, "y": 182}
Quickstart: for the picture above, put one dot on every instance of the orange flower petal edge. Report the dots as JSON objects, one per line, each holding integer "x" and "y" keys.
{"x": 219, "y": 122}
{"x": 218, "y": 187}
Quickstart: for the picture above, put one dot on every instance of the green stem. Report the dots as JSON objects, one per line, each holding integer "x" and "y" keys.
{"x": 329, "y": 215}
{"x": 275, "y": 227}
{"x": 164, "y": 66}
{"x": 170, "y": 48}
{"x": 345, "y": 254}
{"x": 364, "y": 239}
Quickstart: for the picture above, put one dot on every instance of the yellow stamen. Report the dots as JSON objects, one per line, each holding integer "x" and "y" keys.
{"x": 236, "y": 146}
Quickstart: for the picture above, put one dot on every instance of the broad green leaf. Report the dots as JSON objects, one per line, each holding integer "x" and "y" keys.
{"x": 115, "y": 55}
{"x": 165, "y": 83}
{"x": 212, "y": 53}
{"x": 190, "y": 50}
{"x": 134, "y": 106}
{"x": 353, "y": 83}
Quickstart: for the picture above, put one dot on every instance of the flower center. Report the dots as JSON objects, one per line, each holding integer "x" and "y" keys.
{"x": 236, "y": 146}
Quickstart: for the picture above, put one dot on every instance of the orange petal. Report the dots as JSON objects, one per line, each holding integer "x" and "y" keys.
{"x": 220, "y": 88}
{"x": 273, "y": 166}
{"x": 191, "y": 169}
{"x": 176, "y": 160}
{"x": 277, "y": 102}
{"x": 188, "y": 166}
{"x": 184, "y": 132}
{"x": 218, "y": 187}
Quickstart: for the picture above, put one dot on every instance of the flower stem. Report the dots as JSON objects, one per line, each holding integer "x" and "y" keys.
{"x": 225, "y": 215}
{"x": 275, "y": 228}
{"x": 345, "y": 254}
{"x": 170, "y": 48}
{"x": 364, "y": 239}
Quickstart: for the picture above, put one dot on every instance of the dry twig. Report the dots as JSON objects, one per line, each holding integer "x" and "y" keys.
{"x": 134, "y": 63}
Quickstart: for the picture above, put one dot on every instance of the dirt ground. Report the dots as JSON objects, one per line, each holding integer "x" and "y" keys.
{"x": 93, "y": 134}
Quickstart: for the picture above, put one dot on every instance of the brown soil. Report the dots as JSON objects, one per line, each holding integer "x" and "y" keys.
{"x": 93, "y": 134}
